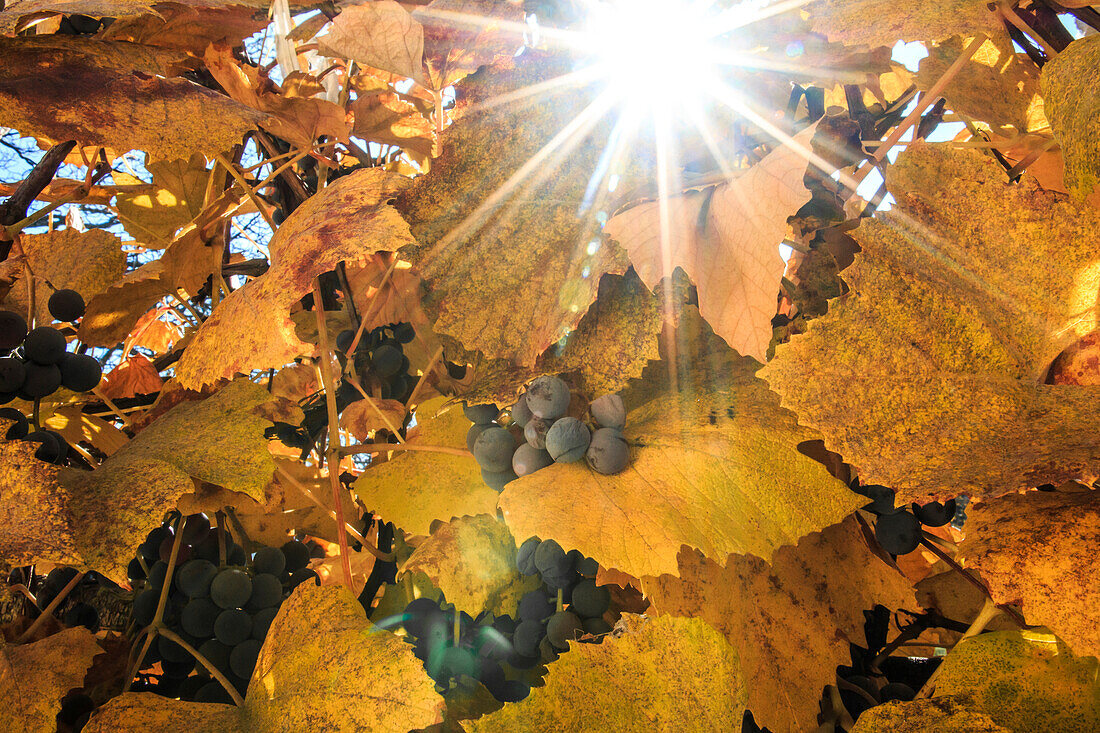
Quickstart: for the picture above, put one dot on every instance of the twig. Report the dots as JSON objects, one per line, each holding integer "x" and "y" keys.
{"x": 163, "y": 600}
{"x": 283, "y": 473}
{"x": 350, "y": 450}
{"x": 214, "y": 672}
{"x": 332, "y": 452}
{"x": 1012, "y": 17}
{"x": 389, "y": 424}
{"x": 989, "y": 610}
{"x": 369, "y": 310}
{"x": 424, "y": 377}
{"x": 1009, "y": 611}
{"x": 49, "y": 609}
{"x": 349, "y": 301}
{"x": 98, "y": 392}
{"x": 232, "y": 169}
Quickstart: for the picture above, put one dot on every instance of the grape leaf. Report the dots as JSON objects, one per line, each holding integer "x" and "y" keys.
{"x": 510, "y": 266}
{"x": 135, "y": 711}
{"x": 1037, "y": 550}
{"x": 133, "y": 376}
{"x": 414, "y": 488}
{"x": 1026, "y": 681}
{"x": 660, "y": 674}
{"x": 790, "y": 621}
{"x": 1071, "y": 106}
{"x": 111, "y": 95}
{"x": 19, "y": 12}
{"x": 926, "y": 375}
{"x": 152, "y": 214}
{"x": 714, "y": 465}
{"x": 462, "y": 35}
{"x": 885, "y": 22}
{"x": 251, "y": 329}
{"x": 180, "y": 27}
{"x": 947, "y": 714}
{"x": 726, "y": 238}
{"x": 1079, "y": 364}
{"x": 34, "y": 678}
{"x": 473, "y": 561}
{"x": 381, "y": 34}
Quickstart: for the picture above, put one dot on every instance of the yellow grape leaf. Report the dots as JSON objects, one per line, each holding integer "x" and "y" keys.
{"x": 510, "y": 266}
{"x": 381, "y": 34}
{"x": 714, "y": 464}
{"x": 950, "y": 594}
{"x": 659, "y": 675}
{"x": 107, "y": 94}
{"x": 348, "y": 220}
{"x": 614, "y": 341}
{"x": 414, "y": 488}
{"x": 1071, "y": 107}
{"x": 1026, "y": 681}
{"x": 926, "y": 375}
{"x": 152, "y": 214}
{"x": 998, "y": 85}
{"x": 726, "y": 238}
{"x": 790, "y": 621}
{"x": 34, "y": 678}
{"x": 1037, "y": 550}
{"x": 324, "y": 666}
{"x": 947, "y": 714}
{"x": 139, "y": 711}
{"x": 76, "y": 426}
{"x": 462, "y": 35}
{"x": 87, "y": 262}
{"x": 384, "y": 117}
{"x": 885, "y": 22}
{"x": 473, "y": 561}
{"x": 96, "y": 518}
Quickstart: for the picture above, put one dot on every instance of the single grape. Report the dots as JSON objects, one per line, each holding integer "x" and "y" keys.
{"x": 608, "y": 411}
{"x": 41, "y": 380}
{"x": 898, "y": 533}
{"x": 183, "y": 554}
{"x": 497, "y": 480}
{"x": 608, "y": 452}
{"x": 525, "y": 556}
{"x": 563, "y": 627}
{"x": 82, "y": 614}
{"x": 564, "y": 579}
{"x": 386, "y": 360}
{"x": 302, "y": 576}
{"x": 493, "y": 450}
{"x": 269, "y": 560}
{"x": 520, "y": 412}
{"x": 535, "y": 606}
{"x": 458, "y": 661}
{"x": 198, "y": 617}
{"x": 261, "y": 622}
{"x": 535, "y": 432}
{"x": 66, "y": 305}
{"x": 296, "y": 554}
{"x": 134, "y": 571}
{"x": 235, "y": 554}
{"x": 232, "y": 626}
{"x": 145, "y": 606}
{"x": 231, "y": 588}
{"x": 935, "y": 514}
{"x": 171, "y": 651}
{"x": 587, "y": 567}
{"x": 13, "y": 329}
{"x": 404, "y": 333}
{"x": 527, "y": 637}
{"x": 74, "y": 705}
{"x": 513, "y": 691}
{"x": 242, "y": 660}
{"x": 79, "y": 372}
{"x": 480, "y": 414}
{"x": 590, "y": 600}
{"x": 195, "y": 529}
{"x": 192, "y": 685}
{"x": 527, "y": 459}
{"x": 217, "y": 654}
{"x": 474, "y": 431}
{"x": 158, "y": 571}
{"x": 882, "y": 498}
{"x": 550, "y": 558}
{"x": 267, "y": 591}
{"x": 44, "y": 345}
{"x": 12, "y": 374}
{"x": 194, "y": 577}
{"x": 20, "y": 426}
{"x": 596, "y": 626}
{"x": 491, "y": 674}
{"x": 344, "y": 339}
{"x": 568, "y": 440}
{"x": 548, "y": 397}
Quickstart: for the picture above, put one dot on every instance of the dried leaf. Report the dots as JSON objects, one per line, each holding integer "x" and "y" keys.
{"x": 1037, "y": 550}
{"x": 381, "y": 34}
{"x": 133, "y": 376}
{"x": 948, "y": 714}
{"x": 34, "y": 678}
{"x": 360, "y": 419}
{"x": 387, "y": 119}
{"x": 414, "y": 488}
{"x": 1071, "y": 107}
{"x": 1026, "y": 681}
{"x": 462, "y": 35}
{"x": 885, "y": 22}
{"x": 153, "y": 214}
{"x": 664, "y": 674}
{"x": 186, "y": 29}
{"x": 18, "y": 12}
{"x": 726, "y": 239}
{"x": 134, "y": 711}
{"x": 473, "y": 561}
{"x": 713, "y": 465}
{"x": 58, "y": 88}
{"x": 925, "y": 376}
{"x": 251, "y": 328}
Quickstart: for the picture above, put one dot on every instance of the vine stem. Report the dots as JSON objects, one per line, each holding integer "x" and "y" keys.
{"x": 368, "y": 310}
{"x": 232, "y": 170}
{"x": 989, "y": 610}
{"x": 377, "y": 409}
{"x": 424, "y": 377}
{"x": 348, "y": 450}
{"x": 98, "y": 392}
{"x": 214, "y": 672}
{"x": 1008, "y": 610}
{"x": 149, "y": 633}
{"x": 309, "y": 495}
{"x": 48, "y": 610}
{"x": 332, "y": 451}
{"x": 1012, "y": 17}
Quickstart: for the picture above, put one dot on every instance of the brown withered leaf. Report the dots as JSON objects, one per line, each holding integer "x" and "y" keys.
{"x": 1037, "y": 550}
{"x": 714, "y": 464}
{"x": 462, "y": 35}
{"x": 386, "y": 118}
{"x": 790, "y": 621}
{"x": 107, "y": 94}
{"x": 726, "y": 238}
{"x": 158, "y": 330}
{"x": 414, "y": 488}
{"x": 381, "y": 34}
{"x": 19, "y": 13}
{"x": 152, "y": 214}
{"x": 187, "y": 29}
{"x": 661, "y": 674}
{"x": 133, "y": 376}
{"x": 946, "y": 714}
{"x": 926, "y": 375}
{"x": 885, "y": 22}
{"x": 473, "y": 561}
{"x": 1072, "y": 108}
{"x": 360, "y": 419}
{"x": 87, "y": 262}
{"x": 34, "y": 678}
{"x": 348, "y": 220}
{"x": 510, "y": 266}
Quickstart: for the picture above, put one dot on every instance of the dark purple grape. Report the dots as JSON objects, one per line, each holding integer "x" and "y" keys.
{"x": 608, "y": 452}
{"x": 548, "y": 397}
{"x": 898, "y": 533}
{"x": 303, "y": 576}
{"x": 935, "y": 514}
{"x": 480, "y": 414}
{"x": 82, "y": 614}
{"x": 527, "y": 637}
{"x": 497, "y": 480}
{"x": 242, "y": 660}
{"x": 296, "y": 554}
{"x": 474, "y": 431}
{"x": 550, "y": 558}
{"x": 12, "y": 374}
{"x": 261, "y": 622}
{"x": 80, "y": 372}
{"x": 493, "y": 450}
{"x": 44, "y": 345}
{"x": 20, "y": 426}
{"x": 232, "y": 626}
{"x": 567, "y": 440}
{"x": 269, "y": 560}
{"x": 231, "y": 588}
{"x": 527, "y": 459}
{"x": 267, "y": 591}
{"x": 41, "y": 380}
{"x": 590, "y": 600}
{"x": 608, "y": 411}
{"x": 66, "y": 305}
{"x": 596, "y": 626}
{"x": 344, "y": 339}
{"x": 536, "y": 605}
{"x": 194, "y": 577}
{"x": 535, "y": 432}
{"x": 198, "y": 617}
{"x": 563, "y": 627}
{"x": 145, "y": 606}
{"x": 13, "y": 329}
{"x": 386, "y": 360}
{"x": 525, "y": 556}
{"x": 520, "y": 412}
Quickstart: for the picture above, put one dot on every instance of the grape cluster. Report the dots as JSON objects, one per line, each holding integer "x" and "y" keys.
{"x": 548, "y": 434}
{"x": 896, "y": 529}
{"x": 220, "y": 601}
